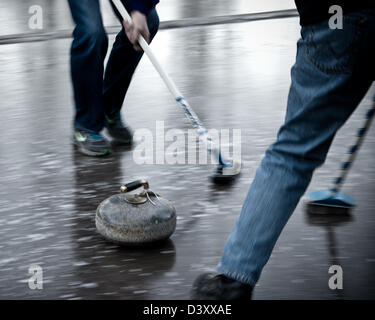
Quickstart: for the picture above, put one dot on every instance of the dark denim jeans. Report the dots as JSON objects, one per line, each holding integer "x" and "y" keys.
{"x": 333, "y": 71}
{"x": 95, "y": 97}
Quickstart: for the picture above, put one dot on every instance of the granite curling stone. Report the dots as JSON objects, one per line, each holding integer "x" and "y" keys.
{"x": 135, "y": 219}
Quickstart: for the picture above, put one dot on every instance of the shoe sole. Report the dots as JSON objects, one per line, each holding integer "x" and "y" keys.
{"x": 89, "y": 153}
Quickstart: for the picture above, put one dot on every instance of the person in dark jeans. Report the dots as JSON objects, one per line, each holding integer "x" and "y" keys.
{"x": 98, "y": 99}
{"x": 334, "y": 69}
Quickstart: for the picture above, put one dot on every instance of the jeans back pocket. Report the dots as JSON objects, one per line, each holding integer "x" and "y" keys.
{"x": 335, "y": 51}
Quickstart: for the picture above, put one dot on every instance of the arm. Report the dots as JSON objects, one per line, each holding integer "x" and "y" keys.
{"x": 138, "y": 11}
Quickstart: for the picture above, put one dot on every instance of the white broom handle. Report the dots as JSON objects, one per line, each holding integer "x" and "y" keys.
{"x": 144, "y": 45}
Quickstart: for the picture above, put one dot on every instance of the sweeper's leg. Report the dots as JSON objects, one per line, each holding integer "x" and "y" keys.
{"x": 88, "y": 52}
{"x": 327, "y": 85}
{"x": 121, "y": 65}
{"x": 326, "y": 88}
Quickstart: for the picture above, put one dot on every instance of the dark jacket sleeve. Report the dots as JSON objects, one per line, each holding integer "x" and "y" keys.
{"x": 143, "y": 6}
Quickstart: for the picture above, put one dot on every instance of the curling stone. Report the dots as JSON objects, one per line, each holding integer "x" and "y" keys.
{"x": 135, "y": 219}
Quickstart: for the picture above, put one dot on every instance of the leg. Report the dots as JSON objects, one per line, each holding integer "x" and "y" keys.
{"x": 87, "y": 57}
{"x": 121, "y": 66}
{"x": 331, "y": 75}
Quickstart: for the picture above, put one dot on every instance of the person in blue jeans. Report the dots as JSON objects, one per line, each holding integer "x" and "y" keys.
{"x": 99, "y": 94}
{"x": 334, "y": 69}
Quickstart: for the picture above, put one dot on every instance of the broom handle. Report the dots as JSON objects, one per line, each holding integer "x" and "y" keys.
{"x": 189, "y": 112}
{"x": 353, "y": 150}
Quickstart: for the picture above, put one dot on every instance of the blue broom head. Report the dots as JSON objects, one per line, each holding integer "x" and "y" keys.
{"x": 329, "y": 198}
{"x": 228, "y": 172}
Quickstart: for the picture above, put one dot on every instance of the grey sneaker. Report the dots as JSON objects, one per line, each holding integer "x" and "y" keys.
{"x": 91, "y": 144}
{"x": 119, "y": 131}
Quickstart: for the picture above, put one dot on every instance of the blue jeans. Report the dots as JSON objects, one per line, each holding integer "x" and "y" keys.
{"x": 95, "y": 97}
{"x": 332, "y": 73}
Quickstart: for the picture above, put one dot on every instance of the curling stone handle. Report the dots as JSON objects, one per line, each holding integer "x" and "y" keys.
{"x": 134, "y": 185}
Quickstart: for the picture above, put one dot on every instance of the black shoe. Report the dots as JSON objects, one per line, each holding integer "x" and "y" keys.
{"x": 118, "y": 131}
{"x": 91, "y": 144}
{"x": 213, "y": 286}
